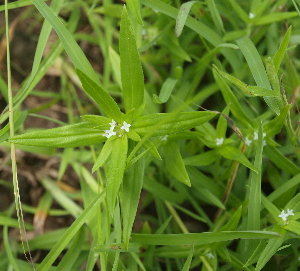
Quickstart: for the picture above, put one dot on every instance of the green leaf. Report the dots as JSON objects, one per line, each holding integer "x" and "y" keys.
{"x": 188, "y": 261}
{"x": 100, "y": 96}
{"x": 274, "y": 126}
{"x": 71, "y": 46}
{"x": 271, "y": 248}
{"x": 174, "y": 162}
{"x": 215, "y": 15}
{"x": 199, "y": 238}
{"x": 282, "y": 49}
{"x": 293, "y": 226}
{"x": 166, "y": 123}
{"x": 257, "y": 68}
{"x": 166, "y": 91}
{"x": 131, "y": 70}
{"x": 116, "y": 170}
{"x": 69, "y": 136}
{"x": 69, "y": 234}
{"x": 98, "y": 120}
{"x": 134, "y": 8}
{"x": 235, "y": 154}
{"x": 203, "y": 159}
{"x": 182, "y": 16}
{"x": 117, "y": 247}
{"x": 274, "y": 17}
{"x": 104, "y": 154}
{"x": 251, "y": 90}
{"x": 131, "y": 189}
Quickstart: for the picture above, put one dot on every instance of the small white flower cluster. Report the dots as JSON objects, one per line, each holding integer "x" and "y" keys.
{"x": 284, "y": 215}
{"x": 219, "y": 141}
{"x": 255, "y": 137}
{"x": 109, "y": 133}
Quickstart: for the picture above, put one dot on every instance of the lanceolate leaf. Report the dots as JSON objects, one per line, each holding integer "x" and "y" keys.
{"x": 101, "y": 97}
{"x": 131, "y": 70}
{"x": 74, "y": 135}
{"x": 182, "y": 16}
{"x": 116, "y": 170}
{"x": 169, "y": 124}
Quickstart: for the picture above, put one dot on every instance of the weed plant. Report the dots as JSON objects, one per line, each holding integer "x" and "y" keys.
{"x": 185, "y": 145}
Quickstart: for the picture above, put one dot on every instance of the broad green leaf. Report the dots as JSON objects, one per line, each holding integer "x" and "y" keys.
{"x": 293, "y": 226}
{"x": 174, "y": 162}
{"x": 203, "y": 159}
{"x": 235, "y": 154}
{"x": 74, "y": 135}
{"x": 114, "y": 176}
{"x": 199, "y": 238}
{"x": 100, "y": 96}
{"x": 251, "y": 90}
{"x": 104, "y": 154}
{"x": 282, "y": 49}
{"x": 257, "y": 68}
{"x": 165, "y": 123}
{"x": 182, "y": 16}
{"x": 166, "y": 91}
{"x": 134, "y": 8}
{"x": 130, "y": 195}
{"x": 69, "y": 234}
{"x": 71, "y": 46}
{"x": 98, "y": 120}
{"x": 131, "y": 70}
{"x": 271, "y": 248}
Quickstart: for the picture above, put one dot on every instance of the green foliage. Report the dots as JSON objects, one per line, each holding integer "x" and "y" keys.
{"x": 185, "y": 142}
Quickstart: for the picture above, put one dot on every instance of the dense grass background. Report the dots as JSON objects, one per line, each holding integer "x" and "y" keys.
{"x": 207, "y": 176}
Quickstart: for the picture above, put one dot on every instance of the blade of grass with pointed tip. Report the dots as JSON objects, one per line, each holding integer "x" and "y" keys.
{"x": 182, "y": 16}
{"x": 199, "y": 238}
{"x": 131, "y": 70}
{"x": 257, "y": 68}
{"x": 69, "y": 234}
{"x": 166, "y": 91}
{"x": 71, "y": 46}
{"x": 104, "y": 154}
{"x": 282, "y": 49}
{"x": 134, "y": 8}
{"x": 101, "y": 97}
{"x": 188, "y": 261}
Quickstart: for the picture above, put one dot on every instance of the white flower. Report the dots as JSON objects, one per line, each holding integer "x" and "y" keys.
{"x": 210, "y": 255}
{"x": 112, "y": 124}
{"x": 284, "y": 215}
{"x": 264, "y": 143}
{"x": 290, "y": 212}
{"x": 219, "y": 141}
{"x": 125, "y": 126}
{"x": 251, "y": 15}
{"x": 109, "y": 133}
{"x": 256, "y": 135}
{"x": 248, "y": 141}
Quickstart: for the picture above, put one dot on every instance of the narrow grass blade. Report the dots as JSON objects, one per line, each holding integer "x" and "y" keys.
{"x": 72, "y": 48}
{"x": 199, "y": 238}
{"x": 188, "y": 261}
{"x": 257, "y": 68}
{"x": 166, "y": 91}
{"x": 216, "y": 17}
{"x": 69, "y": 234}
{"x": 253, "y": 222}
{"x": 131, "y": 69}
{"x": 134, "y": 8}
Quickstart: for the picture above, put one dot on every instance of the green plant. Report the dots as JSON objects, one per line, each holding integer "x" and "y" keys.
{"x": 169, "y": 145}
